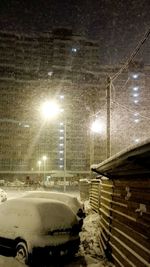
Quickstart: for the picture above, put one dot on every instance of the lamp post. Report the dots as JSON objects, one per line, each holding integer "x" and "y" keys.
{"x": 39, "y": 164}
{"x": 44, "y": 165}
{"x": 50, "y": 110}
{"x": 97, "y": 127}
{"x": 108, "y": 141}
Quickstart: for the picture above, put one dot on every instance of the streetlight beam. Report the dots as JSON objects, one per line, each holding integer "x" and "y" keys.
{"x": 50, "y": 109}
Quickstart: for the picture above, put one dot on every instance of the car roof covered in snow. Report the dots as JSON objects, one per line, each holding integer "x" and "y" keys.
{"x": 72, "y": 201}
{"x": 36, "y": 213}
{"x": 133, "y": 162}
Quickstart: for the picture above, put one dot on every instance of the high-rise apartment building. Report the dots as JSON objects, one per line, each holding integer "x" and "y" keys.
{"x": 65, "y": 67}
{"x": 39, "y": 67}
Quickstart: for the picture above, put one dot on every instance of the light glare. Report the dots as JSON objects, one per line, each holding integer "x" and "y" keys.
{"x": 135, "y": 88}
{"x": 44, "y": 158}
{"x": 135, "y": 76}
{"x": 135, "y": 95}
{"x": 50, "y": 109}
{"x": 97, "y": 126}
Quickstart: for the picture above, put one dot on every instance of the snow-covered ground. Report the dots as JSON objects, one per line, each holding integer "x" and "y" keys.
{"x": 89, "y": 254}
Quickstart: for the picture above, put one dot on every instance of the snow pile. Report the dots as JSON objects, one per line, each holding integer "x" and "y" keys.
{"x": 89, "y": 238}
{"x": 16, "y": 183}
{"x": 3, "y": 195}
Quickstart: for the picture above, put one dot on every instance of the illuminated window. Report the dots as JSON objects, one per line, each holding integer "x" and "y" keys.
{"x": 74, "y": 49}
{"x": 61, "y": 144}
{"x": 135, "y": 76}
{"x": 136, "y": 120}
{"x": 136, "y": 88}
{"x": 135, "y": 95}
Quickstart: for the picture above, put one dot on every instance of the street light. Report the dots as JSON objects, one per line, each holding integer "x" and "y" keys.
{"x": 50, "y": 109}
{"x": 97, "y": 127}
{"x": 44, "y": 164}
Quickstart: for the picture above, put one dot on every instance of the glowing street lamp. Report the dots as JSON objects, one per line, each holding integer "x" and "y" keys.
{"x": 50, "y": 109}
{"x": 97, "y": 126}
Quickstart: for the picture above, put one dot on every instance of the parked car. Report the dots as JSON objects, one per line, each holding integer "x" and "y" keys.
{"x": 3, "y": 195}
{"x": 71, "y": 201}
{"x": 32, "y": 226}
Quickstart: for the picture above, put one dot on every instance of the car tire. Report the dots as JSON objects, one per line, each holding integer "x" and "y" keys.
{"x": 22, "y": 254}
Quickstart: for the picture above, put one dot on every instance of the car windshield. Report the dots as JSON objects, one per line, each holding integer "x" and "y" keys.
{"x": 56, "y": 215}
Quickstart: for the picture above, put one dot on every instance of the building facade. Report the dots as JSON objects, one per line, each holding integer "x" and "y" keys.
{"x": 35, "y": 68}
{"x": 65, "y": 67}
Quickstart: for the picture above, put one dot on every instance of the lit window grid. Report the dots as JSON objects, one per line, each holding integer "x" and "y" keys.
{"x": 61, "y": 145}
{"x": 135, "y": 88}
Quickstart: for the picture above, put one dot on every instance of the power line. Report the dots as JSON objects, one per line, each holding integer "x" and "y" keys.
{"x": 130, "y": 110}
{"x": 134, "y": 53}
{"x": 123, "y": 106}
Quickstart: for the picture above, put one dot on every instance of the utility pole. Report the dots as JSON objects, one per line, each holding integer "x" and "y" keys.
{"x": 108, "y": 140}
{"x": 91, "y": 148}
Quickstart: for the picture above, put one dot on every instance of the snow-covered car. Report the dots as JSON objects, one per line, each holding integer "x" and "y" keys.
{"x": 71, "y": 201}
{"x": 30, "y": 227}
{"x": 3, "y": 195}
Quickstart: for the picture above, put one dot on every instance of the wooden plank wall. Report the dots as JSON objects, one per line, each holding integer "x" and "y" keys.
{"x": 125, "y": 221}
{"x": 95, "y": 195}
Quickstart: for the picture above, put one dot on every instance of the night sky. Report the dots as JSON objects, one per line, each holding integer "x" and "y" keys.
{"x": 118, "y": 25}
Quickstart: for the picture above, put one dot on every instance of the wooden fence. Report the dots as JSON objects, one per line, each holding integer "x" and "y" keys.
{"x": 94, "y": 195}
{"x": 124, "y": 206}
